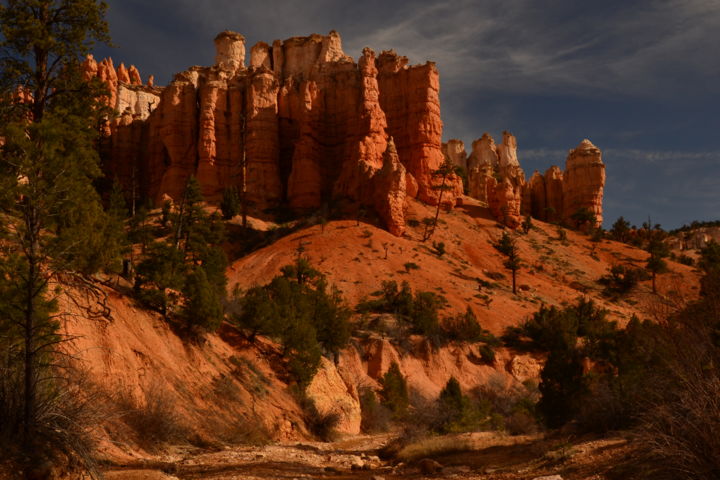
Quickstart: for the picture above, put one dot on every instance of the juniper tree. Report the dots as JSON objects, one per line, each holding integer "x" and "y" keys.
{"x": 49, "y": 117}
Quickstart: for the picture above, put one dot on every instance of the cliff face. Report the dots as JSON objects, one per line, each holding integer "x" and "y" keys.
{"x": 495, "y": 177}
{"x": 302, "y": 125}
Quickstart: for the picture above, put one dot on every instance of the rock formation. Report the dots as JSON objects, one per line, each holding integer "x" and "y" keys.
{"x": 454, "y": 151}
{"x": 495, "y": 177}
{"x": 303, "y": 125}
{"x": 481, "y": 165}
{"x": 583, "y": 182}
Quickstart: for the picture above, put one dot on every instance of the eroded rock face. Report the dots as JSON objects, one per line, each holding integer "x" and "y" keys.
{"x": 454, "y": 151}
{"x": 390, "y": 190}
{"x": 495, "y": 176}
{"x": 303, "y": 125}
{"x": 504, "y": 200}
{"x": 331, "y": 395}
{"x": 481, "y": 164}
{"x": 583, "y": 182}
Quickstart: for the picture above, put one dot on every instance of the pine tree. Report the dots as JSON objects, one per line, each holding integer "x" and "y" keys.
{"x": 203, "y": 309}
{"x": 658, "y": 250}
{"x": 394, "y": 391}
{"x": 230, "y": 205}
{"x": 49, "y": 124}
{"x": 507, "y": 245}
{"x": 444, "y": 172}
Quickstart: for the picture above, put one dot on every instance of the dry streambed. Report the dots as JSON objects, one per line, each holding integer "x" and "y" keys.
{"x": 469, "y": 456}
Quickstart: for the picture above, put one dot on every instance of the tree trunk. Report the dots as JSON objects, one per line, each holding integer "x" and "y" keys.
{"x": 33, "y": 271}
{"x": 426, "y": 236}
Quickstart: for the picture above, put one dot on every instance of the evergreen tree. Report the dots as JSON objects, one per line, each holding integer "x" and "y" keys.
{"x": 173, "y": 264}
{"x": 230, "y": 205}
{"x": 562, "y": 386}
{"x": 444, "y": 172}
{"x": 620, "y": 230}
{"x": 507, "y": 245}
{"x": 49, "y": 118}
{"x": 710, "y": 256}
{"x": 203, "y": 309}
{"x": 394, "y": 391}
{"x": 298, "y": 309}
{"x": 658, "y": 250}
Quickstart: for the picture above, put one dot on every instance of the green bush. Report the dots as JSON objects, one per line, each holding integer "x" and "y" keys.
{"x": 394, "y": 393}
{"x": 621, "y": 280}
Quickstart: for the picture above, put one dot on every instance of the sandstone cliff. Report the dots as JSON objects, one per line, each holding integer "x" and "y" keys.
{"x": 303, "y": 125}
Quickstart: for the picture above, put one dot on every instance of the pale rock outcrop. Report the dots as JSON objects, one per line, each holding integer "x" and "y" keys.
{"x": 380, "y": 354}
{"x": 331, "y": 395}
{"x": 229, "y": 51}
{"x": 524, "y": 367}
{"x": 151, "y": 81}
{"x": 261, "y": 56}
{"x": 454, "y": 151}
{"x": 481, "y": 165}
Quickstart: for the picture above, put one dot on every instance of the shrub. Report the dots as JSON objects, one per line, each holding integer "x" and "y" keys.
{"x": 466, "y": 328}
{"x": 439, "y": 248}
{"x": 621, "y": 280}
{"x": 411, "y": 266}
{"x": 487, "y": 354}
{"x": 456, "y": 412}
{"x": 155, "y": 420}
{"x": 527, "y": 224}
{"x": 420, "y": 310}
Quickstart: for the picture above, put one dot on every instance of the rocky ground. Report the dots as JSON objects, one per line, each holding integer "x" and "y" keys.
{"x": 486, "y": 456}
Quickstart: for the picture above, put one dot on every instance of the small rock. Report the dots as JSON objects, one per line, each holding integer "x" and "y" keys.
{"x": 357, "y": 463}
{"x": 377, "y": 477}
{"x": 333, "y": 470}
{"x": 549, "y": 477}
{"x": 428, "y": 466}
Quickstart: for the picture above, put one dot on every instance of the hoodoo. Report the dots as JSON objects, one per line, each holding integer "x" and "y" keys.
{"x": 303, "y": 125}
{"x": 495, "y": 176}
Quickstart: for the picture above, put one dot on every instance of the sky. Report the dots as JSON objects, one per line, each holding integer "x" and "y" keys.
{"x": 640, "y": 79}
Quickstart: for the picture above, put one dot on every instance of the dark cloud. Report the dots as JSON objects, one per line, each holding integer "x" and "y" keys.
{"x": 640, "y": 79}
